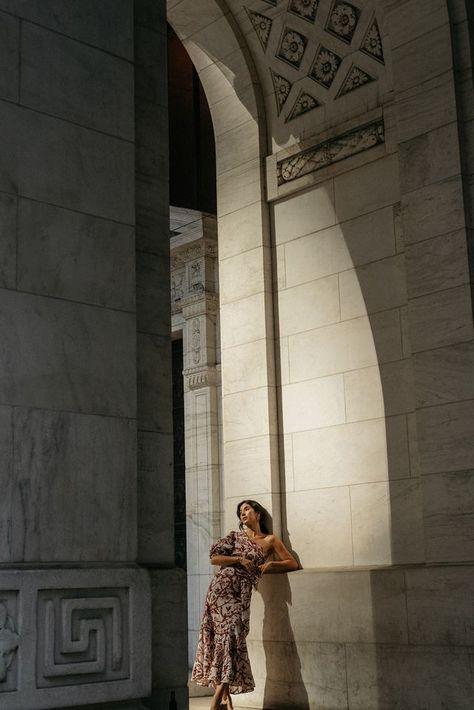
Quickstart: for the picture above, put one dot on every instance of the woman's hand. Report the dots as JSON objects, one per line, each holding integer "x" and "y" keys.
{"x": 246, "y": 564}
{"x": 266, "y": 567}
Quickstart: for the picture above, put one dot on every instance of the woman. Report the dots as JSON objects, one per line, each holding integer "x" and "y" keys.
{"x": 221, "y": 658}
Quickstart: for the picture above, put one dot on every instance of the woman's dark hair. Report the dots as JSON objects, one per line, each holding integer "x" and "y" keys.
{"x": 258, "y": 509}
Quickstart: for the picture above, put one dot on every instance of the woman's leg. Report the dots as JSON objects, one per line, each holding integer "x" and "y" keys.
{"x": 227, "y": 699}
{"x": 218, "y": 696}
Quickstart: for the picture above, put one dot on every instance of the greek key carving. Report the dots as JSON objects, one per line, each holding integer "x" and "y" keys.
{"x": 9, "y": 643}
{"x": 82, "y": 637}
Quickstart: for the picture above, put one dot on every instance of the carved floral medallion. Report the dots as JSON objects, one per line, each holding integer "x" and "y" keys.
{"x": 292, "y": 47}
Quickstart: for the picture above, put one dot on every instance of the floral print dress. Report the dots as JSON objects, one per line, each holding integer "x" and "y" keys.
{"x": 221, "y": 655}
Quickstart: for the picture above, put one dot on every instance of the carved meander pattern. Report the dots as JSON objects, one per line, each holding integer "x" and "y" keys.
{"x": 324, "y": 45}
{"x": 83, "y": 636}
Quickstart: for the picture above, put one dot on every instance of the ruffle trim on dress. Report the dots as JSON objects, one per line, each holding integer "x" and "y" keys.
{"x": 214, "y": 666}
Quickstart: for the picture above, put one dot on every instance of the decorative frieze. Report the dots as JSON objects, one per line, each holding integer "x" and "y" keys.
{"x": 331, "y": 151}
{"x": 197, "y": 378}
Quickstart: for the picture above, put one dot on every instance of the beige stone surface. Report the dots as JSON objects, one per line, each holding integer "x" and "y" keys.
{"x": 442, "y": 318}
{"x": 243, "y": 275}
{"x": 446, "y": 437}
{"x": 439, "y": 605}
{"x": 247, "y": 414}
{"x": 331, "y": 349}
{"x": 448, "y": 510}
{"x": 386, "y": 522}
{"x": 304, "y": 213}
{"x": 246, "y": 366}
{"x": 436, "y": 264}
{"x": 364, "y": 394}
{"x": 243, "y": 321}
{"x": 319, "y": 525}
{"x": 367, "y": 188}
{"x": 362, "y": 292}
{"x": 345, "y": 454}
{"x": 313, "y": 404}
{"x": 248, "y": 466}
{"x": 243, "y": 230}
{"x": 308, "y": 306}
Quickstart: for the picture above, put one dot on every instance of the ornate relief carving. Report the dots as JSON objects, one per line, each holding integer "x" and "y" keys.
{"x": 177, "y": 285}
{"x": 271, "y": 2}
{"x": 372, "y": 42}
{"x": 195, "y": 378}
{"x": 83, "y": 636}
{"x": 195, "y": 276}
{"x": 342, "y": 20}
{"x": 304, "y": 103}
{"x": 292, "y": 47}
{"x": 305, "y": 9}
{"x": 9, "y": 643}
{"x": 324, "y": 67}
{"x": 196, "y": 340}
{"x": 262, "y": 26}
{"x": 331, "y": 151}
{"x": 282, "y": 89}
{"x": 356, "y": 77}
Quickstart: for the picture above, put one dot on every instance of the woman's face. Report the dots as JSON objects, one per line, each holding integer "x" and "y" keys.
{"x": 248, "y": 515}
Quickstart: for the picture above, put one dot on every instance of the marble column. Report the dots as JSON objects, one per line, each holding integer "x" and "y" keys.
{"x": 195, "y": 314}
{"x": 74, "y": 605}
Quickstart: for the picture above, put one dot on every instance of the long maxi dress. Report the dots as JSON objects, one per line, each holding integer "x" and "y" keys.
{"x": 221, "y": 655}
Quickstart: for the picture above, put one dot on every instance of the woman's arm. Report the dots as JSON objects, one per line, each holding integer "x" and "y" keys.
{"x": 225, "y": 560}
{"x": 286, "y": 563}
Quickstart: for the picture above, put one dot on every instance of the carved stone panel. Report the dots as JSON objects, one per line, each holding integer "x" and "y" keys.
{"x": 82, "y": 634}
{"x": 73, "y": 637}
{"x": 9, "y": 641}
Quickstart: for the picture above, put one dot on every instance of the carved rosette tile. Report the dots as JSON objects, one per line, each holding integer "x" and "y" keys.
{"x": 262, "y": 26}
{"x": 332, "y": 151}
{"x": 304, "y": 103}
{"x": 324, "y": 67}
{"x": 82, "y": 634}
{"x": 9, "y": 643}
{"x": 342, "y": 20}
{"x": 292, "y": 47}
{"x": 306, "y": 9}
{"x": 282, "y": 89}
{"x": 356, "y": 77}
{"x": 372, "y": 43}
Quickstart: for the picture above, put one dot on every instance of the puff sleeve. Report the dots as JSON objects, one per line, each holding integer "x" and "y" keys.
{"x": 224, "y": 546}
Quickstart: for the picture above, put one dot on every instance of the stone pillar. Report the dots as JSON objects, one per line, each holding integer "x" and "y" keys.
{"x": 154, "y": 380}
{"x": 195, "y": 299}
{"x": 74, "y": 606}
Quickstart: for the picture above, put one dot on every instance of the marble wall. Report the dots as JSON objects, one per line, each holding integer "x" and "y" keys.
{"x": 357, "y": 432}
{"x": 84, "y": 297}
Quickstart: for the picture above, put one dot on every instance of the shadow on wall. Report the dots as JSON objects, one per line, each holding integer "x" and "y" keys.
{"x": 284, "y": 686}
